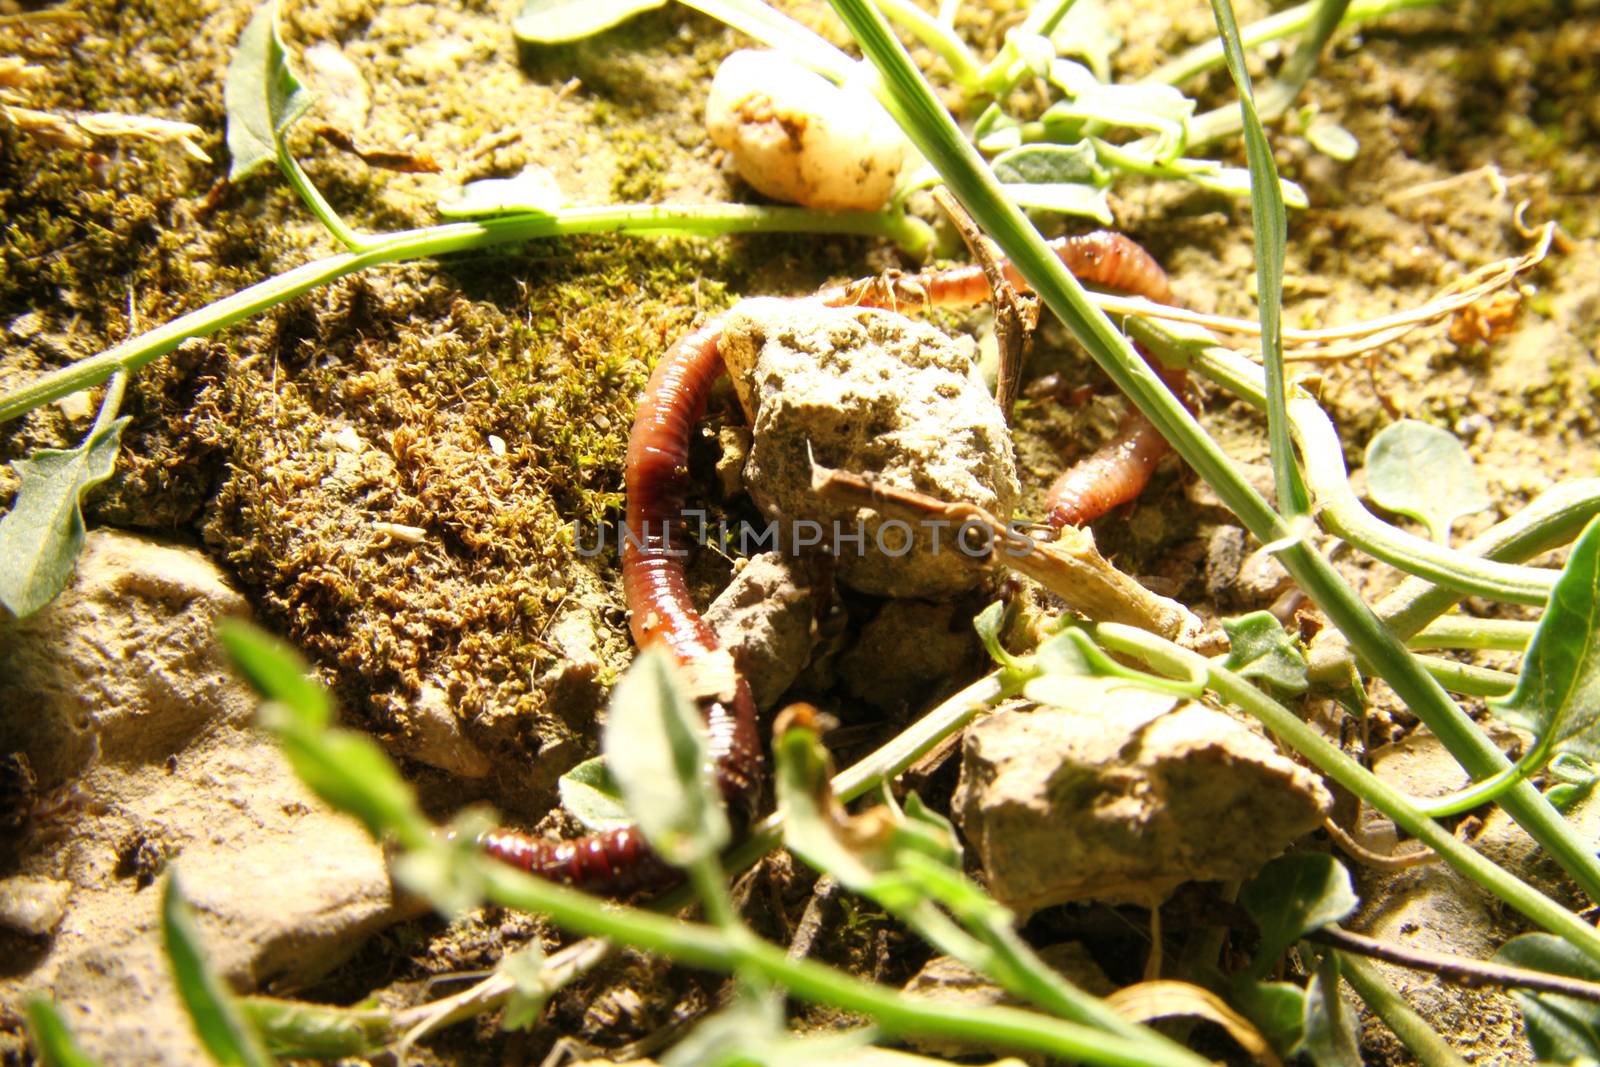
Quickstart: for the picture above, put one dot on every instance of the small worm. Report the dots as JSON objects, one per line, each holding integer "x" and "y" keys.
{"x": 661, "y": 611}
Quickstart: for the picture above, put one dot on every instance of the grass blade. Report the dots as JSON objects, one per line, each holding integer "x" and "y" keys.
{"x": 218, "y": 1022}
{"x": 51, "y": 1039}
{"x": 1270, "y": 220}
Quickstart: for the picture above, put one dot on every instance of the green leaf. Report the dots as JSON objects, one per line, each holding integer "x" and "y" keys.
{"x": 51, "y": 1039}
{"x": 776, "y": 30}
{"x": 276, "y": 672}
{"x": 1269, "y": 223}
{"x": 990, "y": 624}
{"x": 218, "y": 1022}
{"x": 1294, "y": 896}
{"x": 448, "y": 871}
{"x": 317, "y": 1031}
{"x": 1558, "y": 689}
{"x": 1035, "y": 51}
{"x": 1422, "y": 471}
{"x": 1260, "y": 648}
{"x": 1051, "y": 164}
{"x": 1090, "y": 103}
{"x": 1560, "y": 1029}
{"x": 1106, "y": 696}
{"x": 1333, "y": 141}
{"x": 346, "y": 769}
{"x": 810, "y": 812}
{"x": 533, "y": 191}
{"x": 556, "y": 21}
{"x": 590, "y": 793}
{"x": 1575, "y": 780}
{"x": 1071, "y": 657}
{"x": 1065, "y": 199}
{"x": 42, "y": 534}
{"x": 530, "y": 987}
{"x": 655, "y": 746}
{"x": 995, "y": 131}
{"x": 1088, "y": 32}
{"x": 1235, "y": 181}
{"x": 1277, "y": 1009}
{"x": 262, "y": 95}
{"x": 1330, "y": 1030}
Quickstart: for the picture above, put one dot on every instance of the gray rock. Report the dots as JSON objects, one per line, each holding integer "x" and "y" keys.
{"x": 434, "y": 736}
{"x": 873, "y": 393}
{"x": 33, "y": 906}
{"x": 1432, "y": 908}
{"x": 764, "y": 619}
{"x": 126, "y": 706}
{"x": 1125, "y": 800}
{"x": 1262, "y": 579}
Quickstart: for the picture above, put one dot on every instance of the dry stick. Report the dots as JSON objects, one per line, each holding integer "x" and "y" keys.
{"x": 1468, "y": 973}
{"x": 1377, "y": 860}
{"x": 1353, "y": 339}
{"x": 1016, "y": 315}
{"x": 1070, "y": 567}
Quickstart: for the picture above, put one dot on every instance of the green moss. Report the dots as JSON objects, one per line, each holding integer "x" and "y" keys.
{"x": 640, "y": 167}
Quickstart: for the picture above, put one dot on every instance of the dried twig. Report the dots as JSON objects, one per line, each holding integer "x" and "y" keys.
{"x": 76, "y": 129}
{"x": 1069, "y": 567}
{"x": 1354, "y": 339}
{"x": 1470, "y": 974}
{"x": 1016, "y": 314}
{"x": 1377, "y": 860}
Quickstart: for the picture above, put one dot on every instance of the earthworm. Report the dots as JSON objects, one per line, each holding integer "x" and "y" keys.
{"x": 661, "y": 610}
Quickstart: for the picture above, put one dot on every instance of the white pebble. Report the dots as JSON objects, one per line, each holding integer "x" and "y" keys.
{"x": 796, "y": 136}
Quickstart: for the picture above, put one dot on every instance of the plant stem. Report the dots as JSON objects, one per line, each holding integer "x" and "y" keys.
{"x": 1286, "y": 23}
{"x": 892, "y": 1013}
{"x": 939, "y": 38}
{"x": 703, "y": 221}
{"x": 1165, "y": 656}
{"x": 1275, "y": 99}
{"x": 110, "y": 404}
{"x": 1463, "y": 631}
{"x": 318, "y": 205}
{"x": 1270, "y": 226}
{"x": 1467, "y": 679}
{"x": 1413, "y": 1030}
{"x": 1342, "y": 513}
{"x": 1339, "y": 510}
{"x": 930, "y": 128}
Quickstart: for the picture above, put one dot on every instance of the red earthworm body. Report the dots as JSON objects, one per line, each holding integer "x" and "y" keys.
{"x": 660, "y": 608}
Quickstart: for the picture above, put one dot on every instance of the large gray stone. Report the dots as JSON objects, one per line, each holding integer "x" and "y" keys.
{"x": 873, "y": 393}
{"x": 1124, "y": 801}
{"x": 146, "y": 757}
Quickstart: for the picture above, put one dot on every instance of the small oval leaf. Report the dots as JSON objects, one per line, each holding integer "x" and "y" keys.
{"x": 1333, "y": 141}
{"x": 592, "y": 796}
{"x": 556, "y": 21}
{"x": 1422, "y": 471}
{"x": 1560, "y": 1029}
{"x": 1050, "y": 164}
{"x": 1291, "y": 897}
{"x": 533, "y": 191}
{"x": 655, "y": 745}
